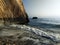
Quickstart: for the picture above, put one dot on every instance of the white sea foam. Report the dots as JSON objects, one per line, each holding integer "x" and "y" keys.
{"x": 39, "y": 32}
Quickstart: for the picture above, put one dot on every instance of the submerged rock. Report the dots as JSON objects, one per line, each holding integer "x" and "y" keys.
{"x": 13, "y": 11}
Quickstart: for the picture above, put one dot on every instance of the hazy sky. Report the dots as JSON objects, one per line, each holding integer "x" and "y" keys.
{"x": 42, "y": 8}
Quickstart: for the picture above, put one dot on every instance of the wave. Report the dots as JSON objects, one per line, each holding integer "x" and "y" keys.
{"x": 52, "y": 36}
{"x": 46, "y": 20}
{"x": 45, "y": 23}
{"x": 53, "y": 23}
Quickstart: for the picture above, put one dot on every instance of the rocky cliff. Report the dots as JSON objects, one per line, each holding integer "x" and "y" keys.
{"x": 13, "y": 11}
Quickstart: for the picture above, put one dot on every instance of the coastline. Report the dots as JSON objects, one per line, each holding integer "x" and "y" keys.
{"x": 27, "y": 33}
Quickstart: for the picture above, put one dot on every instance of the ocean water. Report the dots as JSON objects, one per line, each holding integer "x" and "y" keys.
{"x": 36, "y": 35}
{"x": 34, "y": 32}
{"x": 45, "y": 23}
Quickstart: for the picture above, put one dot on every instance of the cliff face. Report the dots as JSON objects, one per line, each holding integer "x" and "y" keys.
{"x": 13, "y": 11}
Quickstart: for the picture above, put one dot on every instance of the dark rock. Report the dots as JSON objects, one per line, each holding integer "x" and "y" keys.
{"x": 35, "y": 18}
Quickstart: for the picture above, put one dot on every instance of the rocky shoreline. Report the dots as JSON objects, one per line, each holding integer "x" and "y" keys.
{"x": 25, "y": 35}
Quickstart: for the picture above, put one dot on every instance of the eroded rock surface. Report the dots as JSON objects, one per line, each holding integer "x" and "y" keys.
{"x": 13, "y": 11}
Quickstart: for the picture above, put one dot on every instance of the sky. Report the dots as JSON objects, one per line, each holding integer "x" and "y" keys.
{"x": 42, "y": 8}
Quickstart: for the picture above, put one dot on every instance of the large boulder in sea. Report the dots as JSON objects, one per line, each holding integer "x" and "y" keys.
{"x": 13, "y": 11}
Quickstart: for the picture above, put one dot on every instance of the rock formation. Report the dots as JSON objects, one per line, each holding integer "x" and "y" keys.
{"x": 13, "y": 11}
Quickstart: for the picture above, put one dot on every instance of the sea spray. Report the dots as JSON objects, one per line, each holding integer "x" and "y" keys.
{"x": 52, "y": 36}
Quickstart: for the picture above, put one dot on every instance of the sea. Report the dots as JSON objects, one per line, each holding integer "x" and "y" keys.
{"x": 46, "y": 23}
{"x": 45, "y": 31}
